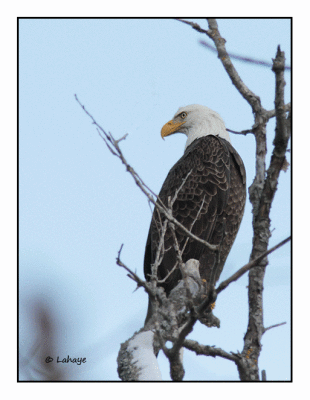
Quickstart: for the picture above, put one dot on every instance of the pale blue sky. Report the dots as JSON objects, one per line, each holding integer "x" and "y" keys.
{"x": 78, "y": 204}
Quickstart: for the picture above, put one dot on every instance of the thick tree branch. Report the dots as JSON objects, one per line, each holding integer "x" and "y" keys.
{"x": 261, "y": 191}
{"x": 178, "y": 309}
{"x": 219, "y": 42}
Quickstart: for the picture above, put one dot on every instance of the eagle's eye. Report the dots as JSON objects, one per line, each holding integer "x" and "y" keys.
{"x": 183, "y": 115}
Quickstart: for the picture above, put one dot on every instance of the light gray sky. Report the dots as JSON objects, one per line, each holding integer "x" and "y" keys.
{"x": 78, "y": 204}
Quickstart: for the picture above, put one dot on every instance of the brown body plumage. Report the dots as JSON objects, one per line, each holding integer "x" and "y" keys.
{"x": 216, "y": 184}
{"x": 210, "y": 204}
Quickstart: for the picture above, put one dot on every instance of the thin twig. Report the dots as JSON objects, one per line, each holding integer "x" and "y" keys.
{"x": 131, "y": 274}
{"x": 139, "y": 182}
{"x": 272, "y": 113}
{"x": 245, "y": 59}
{"x": 169, "y": 273}
{"x": 179, "y": 189}
{"x": 194, "y": 25}
{"x": 251, "y": 60}
{"x": 268, "y": 115}
{"x": 217, "y": 256}
{"x": 159, "y": 251}
{"x": 245, "y": 132}
{"x": 179, "y": 258}
{"x": 193, "y": 223}
{"x": 273, "y": 326}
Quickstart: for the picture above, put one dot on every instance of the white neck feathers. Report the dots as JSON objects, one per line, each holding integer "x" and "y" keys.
{"x": 201, "y": 121}
{"x": 214, "y": 127}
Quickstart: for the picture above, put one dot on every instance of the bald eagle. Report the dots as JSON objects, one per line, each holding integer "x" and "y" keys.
{"x": 210, "y": 183}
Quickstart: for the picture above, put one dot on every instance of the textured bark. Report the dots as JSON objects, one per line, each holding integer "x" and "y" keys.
{"x": 174, "y": 317}
{"x": 262, "y": 194}
{"x": 170, "y": 321}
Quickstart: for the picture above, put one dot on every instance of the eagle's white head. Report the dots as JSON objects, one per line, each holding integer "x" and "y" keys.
{"x": 195, "y": 121}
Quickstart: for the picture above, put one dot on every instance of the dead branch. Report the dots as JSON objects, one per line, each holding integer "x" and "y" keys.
{"x": 261, "y": 192}
{"x": 108, "y": 139}
{"x": 174, "y": 354}
{"x": 245, "y": 132}
{"x": 194, "y": 25}
{"x": 209, "y": 350}
{"x": 223, "y": 285}
{"x": 251, "y": 60}
{"x": 132, "y": 275}
{"x": 159, "y": 252}
{"x": 219, "y": 42}
{"x": 244, "y": 59}
{"x": 273, "y": 326}
{"x": 272, "y": 113}
{"x": 268, "y": 115}
{"x": 178, "y": 309}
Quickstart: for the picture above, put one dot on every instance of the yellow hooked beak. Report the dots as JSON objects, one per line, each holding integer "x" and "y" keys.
{"x": 170, "y": 127}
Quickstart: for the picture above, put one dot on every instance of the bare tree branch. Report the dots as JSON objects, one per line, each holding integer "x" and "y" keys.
{"x": 251, "y": 60}
{"x": 219, "y": 42}
{"x": 176, "y": 316}
{"x": 273, "y": 326}
{"x": 261, "y": 193}
{"x": 245, "y": 132}
{"x": 194, "y": 25}
{"x": 245, "y": 59}
{"x": 131, "y": 274}
{"x": 209, "y": 350}
{"x": 223, "y": 285}
{"x": 272, "y": 113}
{"x": 268, "y": 115}
{"x": 139, "y": 182}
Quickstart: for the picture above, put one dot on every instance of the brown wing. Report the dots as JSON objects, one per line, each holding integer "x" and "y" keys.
{"x": 214, "y": 190}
